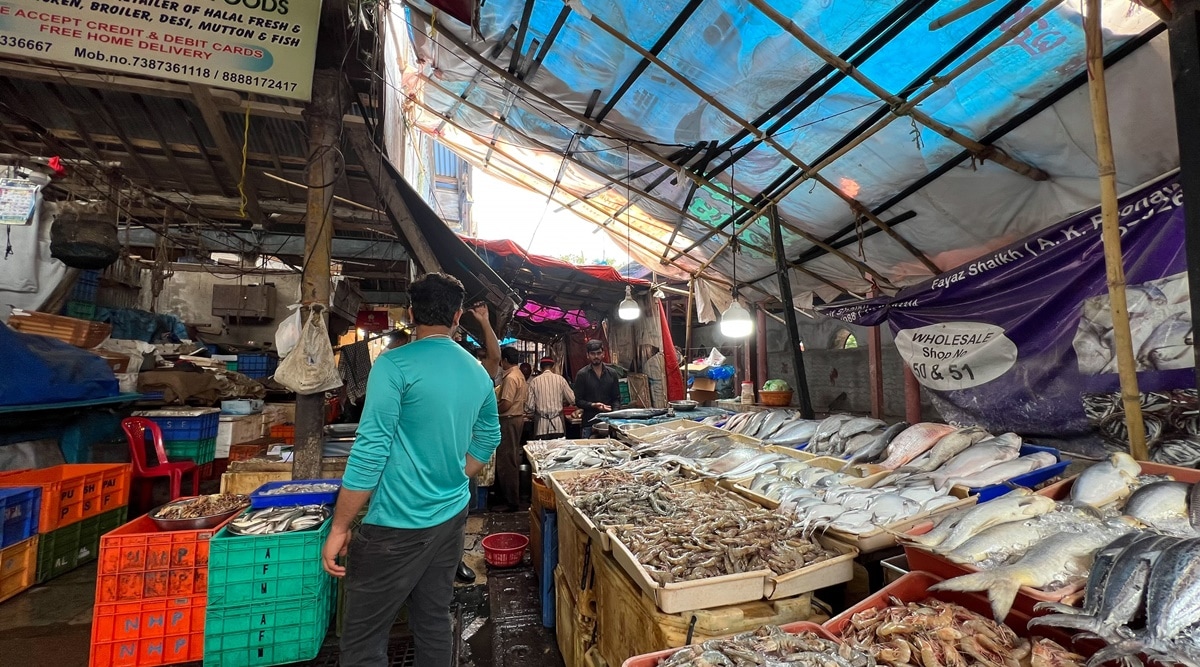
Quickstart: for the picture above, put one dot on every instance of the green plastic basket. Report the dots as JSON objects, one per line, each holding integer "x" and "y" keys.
{"x": 245, "y": 569}
{"x": 199, "y": 451}
{"x": 65, "y": 549}
{"x": 267, "y": 633}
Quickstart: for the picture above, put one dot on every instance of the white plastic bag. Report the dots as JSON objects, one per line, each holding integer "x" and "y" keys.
{"x": 715, "y": 359}
{"x": 287, "y": 335}
{"x": 310, "y": 368}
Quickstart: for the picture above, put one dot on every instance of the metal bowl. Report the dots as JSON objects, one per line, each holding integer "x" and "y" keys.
{"x": 201, "y": 523}
{"x": 684, "y": 406}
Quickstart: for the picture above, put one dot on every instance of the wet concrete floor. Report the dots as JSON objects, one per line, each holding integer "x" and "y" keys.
{"x": 498, "y": 618}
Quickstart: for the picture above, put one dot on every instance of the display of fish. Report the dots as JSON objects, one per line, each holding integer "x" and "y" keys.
{"x": 914, "y": 441}
{"x": 272, "y": 520}
{"x": 630, "y": 413}
{"x": 554, "y": 455}
{"x": 952, "y": 445}
{"x": 975, "y": 459}
{"x": 957, "y": 528}
{"x": 827, "y": 429}
{"x": 997, "y": 544}
{"x": 794, "y": 432}
{"x": 1164, "y": 506}
{"x": 1106, "y": 482}
{"x": 1054, "y": 561}
{"x": 875, "y": 448}
{"x": 769, "y": 645}
{"x": 1005, "y": 471}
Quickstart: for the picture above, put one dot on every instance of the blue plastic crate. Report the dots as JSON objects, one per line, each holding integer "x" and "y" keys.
{"x": 259, "y": 501}
{"x": 257, "y": 365}
{"x": 185, "y": 424}
{"x": 19, "y": 508}
{"x": 1029, "y": 479}
{"x": 549, "y": 564}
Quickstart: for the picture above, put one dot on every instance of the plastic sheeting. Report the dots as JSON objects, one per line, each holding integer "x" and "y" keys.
{"x": 736, "y": 55}
{"x": 40, "y": 370}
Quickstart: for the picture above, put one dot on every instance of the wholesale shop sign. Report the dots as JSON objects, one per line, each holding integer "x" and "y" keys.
{"x": 259, "y": 46}
{"x": 1012, "y": 340}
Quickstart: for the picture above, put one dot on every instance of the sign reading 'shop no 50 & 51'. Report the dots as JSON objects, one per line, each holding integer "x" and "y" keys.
{"x": 260, "y": 46}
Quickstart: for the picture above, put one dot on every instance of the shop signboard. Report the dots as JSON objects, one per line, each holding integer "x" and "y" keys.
{"x": 259, "y": 46}
{"x": 1014, "y": 339}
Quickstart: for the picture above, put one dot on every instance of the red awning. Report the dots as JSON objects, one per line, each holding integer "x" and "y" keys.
{"x": 505, "y": 248}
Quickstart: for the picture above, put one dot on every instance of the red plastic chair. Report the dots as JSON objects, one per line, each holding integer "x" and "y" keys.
{"x": 135, "y": 432}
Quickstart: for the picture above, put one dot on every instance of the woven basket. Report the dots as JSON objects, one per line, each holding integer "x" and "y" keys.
{"x": 80, "y": 333}
{"x": 775, "y": 399}
{"x": 543, "y": 495}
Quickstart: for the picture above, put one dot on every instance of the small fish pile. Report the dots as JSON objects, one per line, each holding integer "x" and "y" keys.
{"x": 642, "y": 503}
{"x": 713, "y": 539}
{"x": 934, "y": 633}
{"x": 308, "y": 487}
{"x": 600, "y": 481}
{"x": 845, "y": 435}
{"x": 769, "y": 645}
{"x": 775, "y": 427}
{"x": 552, "y": 455}
{"x": 202, "y": 506}
{"x": 692, "y": 444}
{"x": 273, "y": 520}
{"x": 1141, "y": 597}
{"x": 849, "y": 509}
{"x": 1171, "y": 418}
{"x": 632, "y": 414}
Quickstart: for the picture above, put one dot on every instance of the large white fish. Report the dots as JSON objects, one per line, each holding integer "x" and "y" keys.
{"x": 1106, "y": 482}
{"x": 1005, "y": 471}
{"x": 914, "y": 441}
{"x": 977, "y": 458}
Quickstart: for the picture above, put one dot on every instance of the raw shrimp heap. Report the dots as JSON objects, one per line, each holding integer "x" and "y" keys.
{"x": 769, "y": 646}
{"x": 936, "y": 634}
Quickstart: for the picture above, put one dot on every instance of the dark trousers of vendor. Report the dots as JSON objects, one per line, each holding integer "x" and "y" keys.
{"x": 388, "y": 567}
{"x": 508, "y": 460}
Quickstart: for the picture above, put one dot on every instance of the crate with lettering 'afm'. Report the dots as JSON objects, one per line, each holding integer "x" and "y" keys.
{"x": 148, "y": 633}
{"x": 243, "y": 569}
{"x": 75, "y": 491}
{"x": 140, "y": 562}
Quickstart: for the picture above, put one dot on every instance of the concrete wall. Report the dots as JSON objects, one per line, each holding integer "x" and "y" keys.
{"x": 830, "y": 372}
{"x": 188, "y": 295}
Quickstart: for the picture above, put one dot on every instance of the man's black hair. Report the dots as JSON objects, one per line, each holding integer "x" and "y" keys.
{"x": 594, "y": 345}
{"x": 435, "y": 298}
{"x": 510, "y": 355}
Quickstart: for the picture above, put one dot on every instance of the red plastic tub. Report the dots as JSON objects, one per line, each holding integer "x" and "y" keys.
{"x": 504, "y": 549}
{"x": 652, "y": 659}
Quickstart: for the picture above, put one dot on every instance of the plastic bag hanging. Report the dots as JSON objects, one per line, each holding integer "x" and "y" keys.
{"x": 310, "y": 368}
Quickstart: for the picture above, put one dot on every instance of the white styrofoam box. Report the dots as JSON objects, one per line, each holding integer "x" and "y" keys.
{"x": 279, "y": 413}
{"x": 235, "y": 430}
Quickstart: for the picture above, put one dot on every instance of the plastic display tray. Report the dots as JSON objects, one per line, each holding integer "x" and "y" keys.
{"x": 259, "y": 501}
{"x": 1029, "y": 479}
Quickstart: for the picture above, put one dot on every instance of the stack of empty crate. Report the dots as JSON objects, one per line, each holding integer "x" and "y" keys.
{"x": 19, "y": 509}
{"x": 188, "y": 433}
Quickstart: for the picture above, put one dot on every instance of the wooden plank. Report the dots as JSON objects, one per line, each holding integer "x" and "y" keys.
{"x": 231, "y": 153}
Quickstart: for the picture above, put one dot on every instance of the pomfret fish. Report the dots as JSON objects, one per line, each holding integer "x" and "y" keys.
{"x": 1015, "y": 506}
{"x": 976, "y": 458}
{"x": 1162, "y": 506}
{"x": 994, "y": 543}
{"x": 912, "y": 442}
{"x": 1007, "y": 470}
{"x": 876, "y": 447}
{"x": 1106, "y": 482}
{"x": 1055, "y": 558}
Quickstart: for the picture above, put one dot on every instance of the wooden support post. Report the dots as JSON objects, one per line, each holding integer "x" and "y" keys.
{"x": 687, "y": 330}
{"x": 761, "y": 345}
{"x": 875, "y": 358}
{"x": 1185, "y": 73}
{"x": 331, "y": 97}
{"x": 789, "y": 314}
{"x": 912, "y": 397}
{"x": 1111, "y": 233}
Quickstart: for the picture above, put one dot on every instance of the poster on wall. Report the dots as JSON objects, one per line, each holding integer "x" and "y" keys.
{"x": 1018, "y": 340}
{"x": 259, "y": 46}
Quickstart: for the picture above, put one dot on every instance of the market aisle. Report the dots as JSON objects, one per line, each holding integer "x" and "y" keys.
{"x": 50, "y": 626}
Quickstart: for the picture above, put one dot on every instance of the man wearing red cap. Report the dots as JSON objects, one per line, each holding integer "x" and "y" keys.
{"x": 548, "y": 393}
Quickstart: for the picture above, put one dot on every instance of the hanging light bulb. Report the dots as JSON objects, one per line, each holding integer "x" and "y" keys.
{"x": 629, "y": 309}
{"x": 736, "y": 322}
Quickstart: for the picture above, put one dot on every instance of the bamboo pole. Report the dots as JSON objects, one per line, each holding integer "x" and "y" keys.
{"x": 1111, "y": 233}
{"x": 687, "y": 331}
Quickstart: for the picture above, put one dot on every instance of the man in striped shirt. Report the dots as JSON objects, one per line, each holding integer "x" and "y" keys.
{"x": 548, "y": 393}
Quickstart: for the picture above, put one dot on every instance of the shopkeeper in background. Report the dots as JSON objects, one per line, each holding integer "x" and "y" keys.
{"x": 597, "y": 388}
{"x": 513, "y": 394}
{"x": 549, "y": 392}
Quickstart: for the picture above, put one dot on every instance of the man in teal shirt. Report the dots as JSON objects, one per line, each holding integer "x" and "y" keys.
{"x": 429, "y": 424}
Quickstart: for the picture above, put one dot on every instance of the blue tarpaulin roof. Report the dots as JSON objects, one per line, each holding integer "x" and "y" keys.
{"x": 570, "y": 99}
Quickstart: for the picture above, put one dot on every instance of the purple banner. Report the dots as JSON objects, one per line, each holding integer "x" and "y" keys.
{"x": 1012, "y": 340}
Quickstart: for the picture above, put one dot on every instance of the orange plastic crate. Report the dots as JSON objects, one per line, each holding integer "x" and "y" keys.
{"x": 285, "y": 432}
{"x": 74, "y": 492}
{"x": 80, "y": 333}
{"x": 140, "y": 562}
{"x": 18, "y": 567}
{"x": 148, "y": 633}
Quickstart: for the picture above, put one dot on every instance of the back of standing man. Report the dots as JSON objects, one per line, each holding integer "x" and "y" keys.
{"x": 597, "y": 388}
{"x": 428, "y": 425}
{"x": 548, "y": 393}
{"x": 513, "y": 394}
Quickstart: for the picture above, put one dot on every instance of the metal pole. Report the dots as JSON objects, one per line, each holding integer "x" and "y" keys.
{"x": 789, "y": 314}
{"x": 687, "y": 331}
{"x": 761, "y": 345}
{"x": 323, "y": 119}
{"x": 1111, "y": 234}
{"x": 1184, "y": 32}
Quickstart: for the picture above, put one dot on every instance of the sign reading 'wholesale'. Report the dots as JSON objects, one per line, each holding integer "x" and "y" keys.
{"x": 260, "y": 46}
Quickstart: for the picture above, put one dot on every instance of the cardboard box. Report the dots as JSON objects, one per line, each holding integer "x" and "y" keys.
{"x": 703, "y": 397}
{"x": 704, "y": 384}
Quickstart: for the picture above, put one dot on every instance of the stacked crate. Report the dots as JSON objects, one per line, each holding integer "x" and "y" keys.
{"x": 269, "y": 599}
{"x": 79, "y": 503}
{"x": 257, "y": 365}
{"x": 188, "y": 433}
{"x": 82, "y": 303}
{"x": 18, "y": 539}
{"x": 151, "y": 588}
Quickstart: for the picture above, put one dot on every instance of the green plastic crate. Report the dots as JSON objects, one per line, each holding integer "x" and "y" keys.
{"x": 81, "y": 310}
{"x": 65, "y": 549}
{"x": 245, "y": 569}
{"x": 267, "y": 633}
{"x": 199, "y": 451}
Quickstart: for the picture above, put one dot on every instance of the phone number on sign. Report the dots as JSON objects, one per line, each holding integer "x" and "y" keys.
{"x": 26, "y": 44}
{"x": 209, "y": 73}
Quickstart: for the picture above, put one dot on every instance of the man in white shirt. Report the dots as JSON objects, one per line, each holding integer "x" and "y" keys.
{"x": 548, "y": 393}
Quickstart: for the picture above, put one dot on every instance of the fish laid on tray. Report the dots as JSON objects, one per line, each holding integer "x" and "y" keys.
{"x": 776, "y": 427}
{"x": 303, "y": 487}
{"x": 633, "y": 414}
{"x": 552, "y": 455}
{"x": 274, "y": 520}
{"x": 202, "y": 506}
{"x": 849, "y": 509}
{"x": 1142, "y": 597}
{"x": 769, "y": 645}
{"x": 934, "y": 633}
